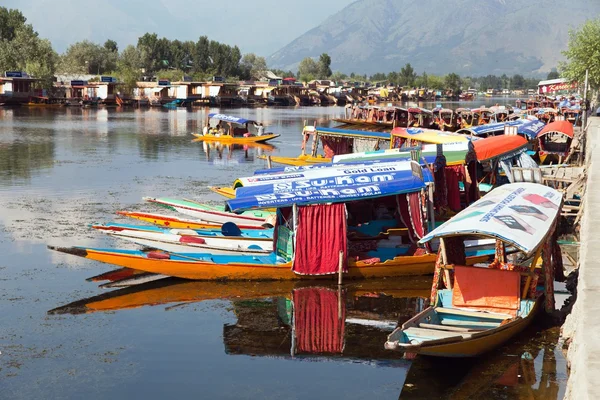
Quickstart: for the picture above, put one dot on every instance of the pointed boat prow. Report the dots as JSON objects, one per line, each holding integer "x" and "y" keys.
{"x": 76, "y": 251}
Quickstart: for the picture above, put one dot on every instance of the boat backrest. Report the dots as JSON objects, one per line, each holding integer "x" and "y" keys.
{"x": 487, "y": 289}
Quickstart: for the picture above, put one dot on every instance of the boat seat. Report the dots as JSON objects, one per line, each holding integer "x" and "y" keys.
{"x": 476, "y": 314}
{"x": 434, "y": 334}
{"x": 448, "y": 328}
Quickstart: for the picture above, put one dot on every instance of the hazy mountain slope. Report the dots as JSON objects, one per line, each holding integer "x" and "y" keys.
{"x": 465, "y": 36}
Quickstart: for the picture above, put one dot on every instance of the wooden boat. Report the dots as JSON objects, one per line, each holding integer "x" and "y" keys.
{"x": 176, "y": 222}
{"x": 479, "y": 307}
{"x": 224, "y": 191}
{"x": 192, "y": 241}
{"x": 227, "y": 139}
{"x": 374, "y": 117}
{"x": 318, "y": 254}
{"x": 555, "y": 141}
{"x": 420, "y": 118}
{"x": 446, "y": 119}
{"x": 334, "y": 141}
{"x": 238, "y": 131}
{"x": 212, "y": 214}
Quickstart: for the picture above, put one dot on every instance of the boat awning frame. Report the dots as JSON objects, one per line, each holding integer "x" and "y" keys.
{"x": 519, "y": 214}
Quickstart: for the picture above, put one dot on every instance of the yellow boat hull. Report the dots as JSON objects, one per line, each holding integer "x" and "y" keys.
{"x": 299, "y": 161}
{"x": 209, "y": 271}
{"x": 234, "y": 139}
{"x": 223, "y": 191}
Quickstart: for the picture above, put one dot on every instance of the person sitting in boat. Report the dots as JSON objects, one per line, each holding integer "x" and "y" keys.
{"x": 260, "y": 129}
{"x": 206, "y": 129}
{"x": 219, "y": 130}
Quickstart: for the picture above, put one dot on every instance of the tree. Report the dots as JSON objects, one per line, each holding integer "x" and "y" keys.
{"x": 252, "y": 66}
{"x": 435, "y": 82}
{"x": 422, "y": 81}
{"x": 553, "y": 74}
{"x": 407, "y": 75}
{"x": 21, "y": 49}
{"x": 453, "y": 82}
{"x": 583, "y": 53}
{"x": 88, "y": 58}
{"x": 10, "y": 22}
{"x": 378, "y": 77}
{"x": 324, "y": 70}
{"x": 111, "y": 45}
{"x": 308, "y": 70}
{"x": 517, "y": 82}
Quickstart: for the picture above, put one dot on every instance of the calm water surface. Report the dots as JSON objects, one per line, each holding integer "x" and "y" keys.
{"x": 63, "y": 337}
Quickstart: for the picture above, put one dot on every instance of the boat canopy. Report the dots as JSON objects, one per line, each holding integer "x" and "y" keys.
{"x": 429, "y": 135}
{"x": 563, "y": 127}
{"x": 230, "y": 118}
{"x": 502, "y": 146}
{"x": 529, "y": 128}
{"x": 519, "y": 214}
{"x": 352, "y": 133}
{"x": 331, "y": 185}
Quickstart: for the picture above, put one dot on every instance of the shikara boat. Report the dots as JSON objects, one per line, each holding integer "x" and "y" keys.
{"x": 213, "y": 214}
{"x": 177, "y": 222}
{"x": 528, "y": 128}
{"x": 373, "y": 117}
{"x": 446, "y": 119}
{"x": 238, "y": 130}
{"x": 420, "y": 118}
{"x": 555, "y": 141}
{"x": 477, "y": 308}
{"x": 312, "y": 215}
{"x": 253, "y": 242}
{"x": 334, "y": 141}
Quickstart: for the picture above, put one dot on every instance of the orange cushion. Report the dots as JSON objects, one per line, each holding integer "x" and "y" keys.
{"x": 487, "y": 289}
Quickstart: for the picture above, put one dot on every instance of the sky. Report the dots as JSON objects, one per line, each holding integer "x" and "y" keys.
{"x": 256, "y": 26}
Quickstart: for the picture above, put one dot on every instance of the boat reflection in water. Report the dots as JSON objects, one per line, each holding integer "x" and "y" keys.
{"x": 286, "y": 319}
{"x": 227, "y": 153}
{"x": 529, "y": 368}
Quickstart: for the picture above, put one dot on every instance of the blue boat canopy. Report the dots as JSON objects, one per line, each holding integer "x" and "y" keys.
{"x": 352, "y": 133}
{"x": 526, "y": 127}
{"x": 331, "y": 185}
{"x": 230, "y": 118}
{"x": 519, "y": 214}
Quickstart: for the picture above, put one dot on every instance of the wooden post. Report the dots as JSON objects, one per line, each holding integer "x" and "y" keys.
{"x": 269, "y": 163}
{"x": 340, "y": 267}
{"x": 532, "y": 269}
{"x": 445, "y": 262}
{"x": 585, "y": 113}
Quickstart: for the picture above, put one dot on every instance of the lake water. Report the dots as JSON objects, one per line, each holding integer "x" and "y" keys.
{"x": 63, "y": 337}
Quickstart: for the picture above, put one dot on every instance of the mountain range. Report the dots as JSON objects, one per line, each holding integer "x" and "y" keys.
{"x": 470, "y": 37}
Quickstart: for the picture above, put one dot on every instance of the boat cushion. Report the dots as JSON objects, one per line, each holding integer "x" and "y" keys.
{"x": 487, "y": 289}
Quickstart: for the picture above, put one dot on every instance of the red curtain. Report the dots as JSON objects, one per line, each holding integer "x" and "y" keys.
{"x": 320, "y": 237}
{"x": 319, "y": 320}
{"x": 454, "y": 174}
{"x": 334, "y": 146}
{"x": 409, "y": 207}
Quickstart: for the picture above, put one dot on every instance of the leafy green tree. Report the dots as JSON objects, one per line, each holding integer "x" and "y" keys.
{"x": 517, "y": 82}
{"x": 338, "y": 76}
{"x": 435, "y": 82}
{"x": 10, "y": 22}
{"x": 583, "y": 53}
{"x": 393, "y": 77}
{"x": 407, "y": 75}
{"x": 252, "y": 66}
{"x": 453, "y": 82}
{"x": 553, "y": 74}
{"x": 378, "y": 77}
{"x": 21, "y": 49}
{"x": 111, "y": 45}
{"x": 422, "y": 81}
{"x": 324, "y": 70}
{"x": 308, "y": 70}
{"x": 88, "y": 58}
